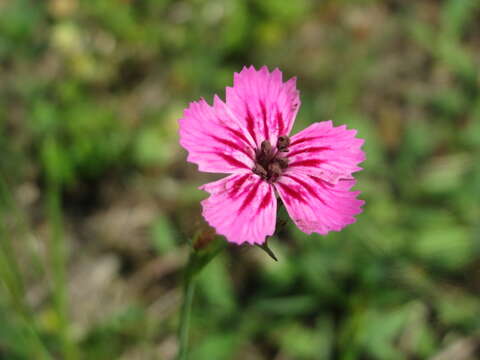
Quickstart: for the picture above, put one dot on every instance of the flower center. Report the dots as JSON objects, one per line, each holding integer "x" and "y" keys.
{"x": 270, "y": 162}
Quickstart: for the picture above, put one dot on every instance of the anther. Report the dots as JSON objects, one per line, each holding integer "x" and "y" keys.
{"x": 266, "y": 146}
{"x": 282, "y": 143}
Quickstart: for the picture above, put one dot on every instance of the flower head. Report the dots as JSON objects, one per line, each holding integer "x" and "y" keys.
{"x": 248, "y": 136}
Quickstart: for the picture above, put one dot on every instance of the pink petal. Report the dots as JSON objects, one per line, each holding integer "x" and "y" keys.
{"x": 331, "y": 153}
{"x": 242, "y": 207}
{"x": 266, "y": 105}
{"x": 214, "y": 139}
{"x": 316, "y": 205}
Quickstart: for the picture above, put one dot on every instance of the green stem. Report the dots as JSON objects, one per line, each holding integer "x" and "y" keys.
{"x": 12, "y": 280}
{"x": 198, "y": 259}
{"x": 189, "y": 290}
{"x": 59, "y": 264}
{"x": 16, "y": 301}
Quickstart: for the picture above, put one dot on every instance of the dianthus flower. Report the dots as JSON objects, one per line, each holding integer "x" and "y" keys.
{"x": 248, "y": 136}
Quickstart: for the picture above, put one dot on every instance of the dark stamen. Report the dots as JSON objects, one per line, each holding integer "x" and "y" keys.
{"x": 269, "y": 161}
{"x": 282, "y": 143}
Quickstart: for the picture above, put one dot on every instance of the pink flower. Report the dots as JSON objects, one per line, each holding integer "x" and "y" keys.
{"x": 248, "y": 137}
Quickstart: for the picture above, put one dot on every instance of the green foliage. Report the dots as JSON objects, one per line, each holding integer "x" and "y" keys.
{"x": 163, "y": 235}
{"x": 90, "y": 94}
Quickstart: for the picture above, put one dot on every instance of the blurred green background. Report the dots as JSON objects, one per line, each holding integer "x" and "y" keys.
{"x": 98, "y": 202}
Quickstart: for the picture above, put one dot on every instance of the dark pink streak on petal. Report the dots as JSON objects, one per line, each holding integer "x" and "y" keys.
{"x": 324, "y": 184}
{"x": 264, "y": 117}
{"x": 231, "y": 160}
{"x": 250, "y": 124}
{"x": 232, "y": 145}
{"x": 292, "y": 192}
{"x": 307, "y": 162}
{"x": 267, "y": 199}
{"x": 305, "y": 139}
{"x": 309, "y": 149}
{"x": 307, "y": 187}
{"x": 281, "y": 123}
{"x": 237, "y": 185}
{"x": 249, "y": 198}
{"x": 226, "y": 215}
{"x": 239, "y": 135}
